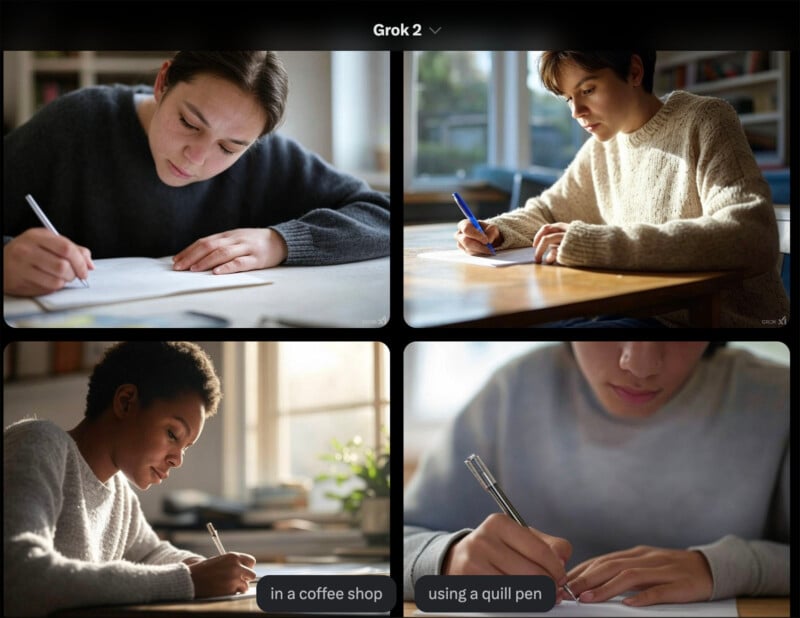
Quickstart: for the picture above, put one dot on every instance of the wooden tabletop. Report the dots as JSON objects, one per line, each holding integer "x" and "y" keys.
{"x": 440, "y": 293}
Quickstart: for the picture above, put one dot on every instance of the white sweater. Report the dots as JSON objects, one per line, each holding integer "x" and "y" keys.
{"x": 70, "y": 540}
{"x": 682, "y": 193}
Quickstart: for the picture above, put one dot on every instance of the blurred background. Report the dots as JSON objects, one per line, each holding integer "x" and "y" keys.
{"x": 338, "y": 103}
{"x": 295, "y": 418}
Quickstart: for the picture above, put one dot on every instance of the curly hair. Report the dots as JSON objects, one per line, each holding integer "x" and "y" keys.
{"x": 158, "y": 369}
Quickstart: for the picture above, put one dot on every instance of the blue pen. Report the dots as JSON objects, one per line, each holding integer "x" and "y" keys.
{"x": 462, "y": 206}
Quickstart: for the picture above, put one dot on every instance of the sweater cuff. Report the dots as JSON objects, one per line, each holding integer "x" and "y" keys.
{"x": 430, "y": 561}
{"x": 582, "y": 245}
{"x": 734, "y": 569}
{"x": 299, "y": 241}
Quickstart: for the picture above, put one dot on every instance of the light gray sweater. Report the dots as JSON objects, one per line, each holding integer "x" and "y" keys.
{"x": 708, "y": 471}
{"x": 70, "y": 540}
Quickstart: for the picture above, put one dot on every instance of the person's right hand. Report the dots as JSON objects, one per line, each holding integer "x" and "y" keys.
{"x": 500, "y": 546}
{"x": 222, "y": 575}
{"x": 38, "y": 262}
{"x": 472, "y": 241}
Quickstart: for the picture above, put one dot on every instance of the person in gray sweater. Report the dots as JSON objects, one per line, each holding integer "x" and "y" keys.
{"x": 655, "y": 467}
{"x": 73, "y": 530}
{"x": 191, "y": 168}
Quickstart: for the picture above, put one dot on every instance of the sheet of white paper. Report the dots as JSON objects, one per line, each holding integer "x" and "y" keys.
{"x": 615, "y": 607}
{"x": 503, "y": 258}
{"x": 121, "y": 279}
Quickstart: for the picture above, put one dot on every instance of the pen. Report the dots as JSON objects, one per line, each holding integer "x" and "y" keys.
{"x": 462, "y": 206}
{"x": 215, "y": 538}
{"x": 46, "y": 222}
{"x": 488, "y": 482}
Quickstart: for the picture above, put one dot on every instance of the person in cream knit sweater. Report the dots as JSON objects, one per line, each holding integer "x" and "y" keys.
{"x": 73, "y": 530}
{"x": 666, "y": 185}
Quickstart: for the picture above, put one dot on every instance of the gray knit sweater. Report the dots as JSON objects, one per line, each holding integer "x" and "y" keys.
{"x": 682, "y": 193}
{"x": 86, "y": 160}
{"x": 709, "y": 470}
{"x": 70, "y": 540}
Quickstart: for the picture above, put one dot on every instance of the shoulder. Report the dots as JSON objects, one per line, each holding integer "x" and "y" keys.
{"x": 693, "y": 108}
{"x": 88, "y": 103}
{"x": 540, "y": 366}
{"x": 34, "y": 437}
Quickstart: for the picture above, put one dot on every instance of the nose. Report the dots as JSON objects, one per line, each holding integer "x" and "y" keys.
{"x": 577, "y": 108}
{"x": 175, "y": 459}
{"x": 642, "y": 358}
{"x": 196, "y": 152}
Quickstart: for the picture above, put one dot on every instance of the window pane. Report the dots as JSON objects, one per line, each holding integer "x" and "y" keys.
{"x": 452, "y": 101}
{"x": 555, "y": 136}
{"x": 323, "y": 374}
{"x": 304, "y": 438}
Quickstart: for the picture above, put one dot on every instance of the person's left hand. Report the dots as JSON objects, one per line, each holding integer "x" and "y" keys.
{"x": 233, "y": 251}
{"x": 662, "y": 575}
{"x": 547, "y": 241}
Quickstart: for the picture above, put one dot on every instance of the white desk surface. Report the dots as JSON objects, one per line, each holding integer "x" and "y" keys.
{"x": 354, "y": 295}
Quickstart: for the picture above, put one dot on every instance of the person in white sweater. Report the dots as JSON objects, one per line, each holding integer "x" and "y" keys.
{"x": 659, "y": 468}
{"x": 665, "y": 185}
{"x": 73, "y": 530}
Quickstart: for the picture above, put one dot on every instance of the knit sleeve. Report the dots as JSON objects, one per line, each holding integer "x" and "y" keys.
{"x": 571, "y": 197}
{"x": 37, "y": 578}
{"x": 736, "y": 229}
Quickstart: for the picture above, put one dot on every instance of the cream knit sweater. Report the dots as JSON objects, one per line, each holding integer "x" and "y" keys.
{"x": 682, "y": 193}
{"x": 70, "y": 540}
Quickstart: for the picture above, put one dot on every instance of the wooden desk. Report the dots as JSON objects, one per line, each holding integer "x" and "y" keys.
{"x": 746, "y": 607}
{"x": 354, "y": 295}
{"x": 439, "y": 293}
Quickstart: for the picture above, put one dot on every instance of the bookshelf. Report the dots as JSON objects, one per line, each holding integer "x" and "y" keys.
{"x": 45, "y": 75}
{"x": 754, "y": 82}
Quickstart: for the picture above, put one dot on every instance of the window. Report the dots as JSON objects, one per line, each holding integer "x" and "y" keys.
{"x": 297, "y": 397}
{"x": 471, "y": 109}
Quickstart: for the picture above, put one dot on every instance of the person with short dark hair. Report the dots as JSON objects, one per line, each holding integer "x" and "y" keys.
{"x": 74, "y": 531}
{"x": 191, "y": 167}
{"x": 667, "y": 184}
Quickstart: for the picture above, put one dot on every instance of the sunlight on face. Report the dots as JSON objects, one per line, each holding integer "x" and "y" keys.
{"x": 634, "y": 379}
{"x": 200, "y": 128}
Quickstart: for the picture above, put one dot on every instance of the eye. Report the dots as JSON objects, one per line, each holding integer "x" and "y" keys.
{"x": 225, "y": 150}
{"x": 171, "y": 435}
{"x": 588, "y": 90}
{"x": 187, "y": 125}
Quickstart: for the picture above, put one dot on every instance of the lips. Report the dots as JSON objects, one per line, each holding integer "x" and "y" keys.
{"x": 180, "y": 173}
{"x": 591, "y": 127}
{"x": 161, "y": 475}
{"x": 634, "y": 396}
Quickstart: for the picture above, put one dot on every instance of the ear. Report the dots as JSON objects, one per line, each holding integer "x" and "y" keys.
{"x": 160, "y": 86}
{"x": 126, "y": 400}
{"x": 636, "y": 72}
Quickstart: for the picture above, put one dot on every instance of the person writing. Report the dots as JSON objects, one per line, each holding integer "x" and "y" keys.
{"x": 662, "y": 185}
{"x": 658, "y": 470}
{"x": 191, "y": 167}
{"x": 73, "y": 529}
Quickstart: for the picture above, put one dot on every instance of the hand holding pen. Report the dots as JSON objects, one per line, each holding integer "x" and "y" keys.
{"x": 39, "y": 260}
{"x": 503, "y": 545}
{"x": 473, "y": 236}
{"x": 228, "y": 573}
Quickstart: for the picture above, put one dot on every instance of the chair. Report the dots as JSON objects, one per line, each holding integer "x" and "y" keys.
{"x": 782, "y": 216}
{"x": 528, "y": 184}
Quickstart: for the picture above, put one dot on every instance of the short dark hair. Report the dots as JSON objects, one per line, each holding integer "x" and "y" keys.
{"x": 550, "y": 64}
{"x": 158, "y": 369}
{"x": 260, "y": 73}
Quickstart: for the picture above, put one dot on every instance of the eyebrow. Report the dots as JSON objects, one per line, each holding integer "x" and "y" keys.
{"x": 585, "y": 79}
{"x": 202, "y": 119}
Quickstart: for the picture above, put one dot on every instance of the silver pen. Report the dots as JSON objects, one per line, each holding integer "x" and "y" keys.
{"x": 46, "y": 222}
{"x": 215, "y": 537}
{"x": 489, "y": 483}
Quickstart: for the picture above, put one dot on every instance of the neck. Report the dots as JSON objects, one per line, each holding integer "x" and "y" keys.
{"x": 94, "y": 444}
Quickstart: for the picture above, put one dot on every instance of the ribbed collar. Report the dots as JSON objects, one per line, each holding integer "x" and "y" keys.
{"x": 653, "y": 128}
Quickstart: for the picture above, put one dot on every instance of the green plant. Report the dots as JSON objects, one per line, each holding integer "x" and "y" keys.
{"x": 354, "y": 460}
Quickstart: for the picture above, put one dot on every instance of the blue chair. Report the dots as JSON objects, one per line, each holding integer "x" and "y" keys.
{"x": 530, "y": 183}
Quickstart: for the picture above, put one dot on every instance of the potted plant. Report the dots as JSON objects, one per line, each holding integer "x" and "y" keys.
{"x": 365, "y": 471}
